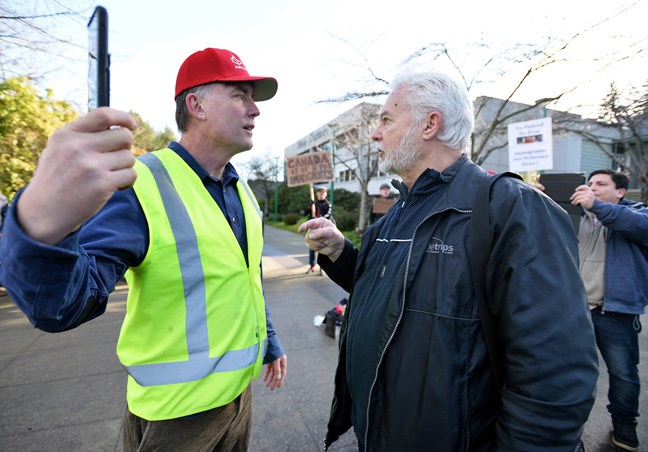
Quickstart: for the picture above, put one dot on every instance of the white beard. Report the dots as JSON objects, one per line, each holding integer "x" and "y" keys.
{"x": 401, "y": 158}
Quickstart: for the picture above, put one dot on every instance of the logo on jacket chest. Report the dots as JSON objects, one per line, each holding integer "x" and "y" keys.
{"x": 437, "y": 246}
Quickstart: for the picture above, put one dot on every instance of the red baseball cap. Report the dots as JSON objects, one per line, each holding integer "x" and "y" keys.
{"x": 220, "y": 65}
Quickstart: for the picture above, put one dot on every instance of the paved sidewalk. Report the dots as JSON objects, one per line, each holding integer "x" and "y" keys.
{"x": 66, "y": 392}
{"x": 294, "y": 418}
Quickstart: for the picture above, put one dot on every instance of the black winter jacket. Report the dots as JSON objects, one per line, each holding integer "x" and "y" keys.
{"x": 414, "y": 371}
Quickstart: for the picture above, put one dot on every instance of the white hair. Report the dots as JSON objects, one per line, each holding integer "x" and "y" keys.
{"x": 436, "y": 91}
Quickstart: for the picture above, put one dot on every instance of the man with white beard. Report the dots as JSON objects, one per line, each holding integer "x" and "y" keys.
{"x": 414, "y": 371}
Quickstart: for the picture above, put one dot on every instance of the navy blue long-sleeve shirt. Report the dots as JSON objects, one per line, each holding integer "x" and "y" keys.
{"x": 59, "y": 287}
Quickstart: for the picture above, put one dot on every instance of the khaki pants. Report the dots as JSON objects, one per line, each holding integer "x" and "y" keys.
{"x": 225, "y": 429}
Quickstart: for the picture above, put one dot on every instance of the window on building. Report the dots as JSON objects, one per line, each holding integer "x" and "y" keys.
{"x": 593, "y": 158}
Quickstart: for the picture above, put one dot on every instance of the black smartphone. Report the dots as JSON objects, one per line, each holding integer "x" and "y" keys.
{"x": 560, "y": 187}
{"x": 98, "y": 60}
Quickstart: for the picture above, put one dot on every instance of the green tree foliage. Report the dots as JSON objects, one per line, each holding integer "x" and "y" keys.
{"x": 26, "y": 121}
{"x": 162, "y": 139}
{"x": 346, "y": 209}
{"x": 147, "y": 139}
{"x": 262, "y": 173}
{"x": 346, "y": 200}
{"x": 293, "y": 199}
{"x": 143, "y": 136}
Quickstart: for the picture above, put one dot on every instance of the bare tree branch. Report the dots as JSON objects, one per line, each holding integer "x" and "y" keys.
{"x": 31, "y": 28}
{"x": 534, "y": 59}
{"x": 38, "y": 16}
{"x": 354, "y": 96}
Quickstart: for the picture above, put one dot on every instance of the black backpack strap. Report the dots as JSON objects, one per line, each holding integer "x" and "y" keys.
{"x": 480, "y": 239}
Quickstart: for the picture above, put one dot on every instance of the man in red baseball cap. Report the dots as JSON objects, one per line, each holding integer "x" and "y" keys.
{"x": 186, "y": 233}
{"x": 219, "y": 65}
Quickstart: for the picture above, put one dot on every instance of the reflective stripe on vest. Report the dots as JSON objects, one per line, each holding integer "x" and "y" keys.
{"x": 199, "y": 362}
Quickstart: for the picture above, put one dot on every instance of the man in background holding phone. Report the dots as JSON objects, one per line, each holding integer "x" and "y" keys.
{"x": 613, "y": 249}
{"x": 188, "y": 236}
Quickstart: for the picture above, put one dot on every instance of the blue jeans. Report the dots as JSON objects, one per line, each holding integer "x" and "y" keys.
{"x": 617, "y": 337}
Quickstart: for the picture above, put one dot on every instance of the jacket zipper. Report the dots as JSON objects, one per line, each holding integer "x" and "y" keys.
{"x": 400, "y": 315}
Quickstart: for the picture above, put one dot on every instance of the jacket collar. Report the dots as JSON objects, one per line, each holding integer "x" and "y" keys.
{"x": 452, "y": 186}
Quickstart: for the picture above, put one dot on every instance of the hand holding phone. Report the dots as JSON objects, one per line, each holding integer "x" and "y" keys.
{"x": 83, "y": 164}
{"x": 583, "y": 196}
{"x": 98, "y": 60}
{"x": 561, "y": 187}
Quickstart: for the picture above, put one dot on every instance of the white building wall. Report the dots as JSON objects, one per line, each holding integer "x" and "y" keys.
{"x": 594, "y": 158}
{"x": 570, "y": 152}
{"x": 322, "y": 139}
{"x": 567, "y": 147}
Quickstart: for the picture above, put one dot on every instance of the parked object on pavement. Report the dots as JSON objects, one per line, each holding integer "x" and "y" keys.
{"x": 332, "y": 319}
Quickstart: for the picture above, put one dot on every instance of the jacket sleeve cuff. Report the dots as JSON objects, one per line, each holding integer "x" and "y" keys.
{"x": 324, "y": 261}
{"x": 275, "y": 350}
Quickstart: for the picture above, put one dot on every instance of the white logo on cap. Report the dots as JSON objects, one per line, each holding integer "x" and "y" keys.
{"x": 238, "y": 63}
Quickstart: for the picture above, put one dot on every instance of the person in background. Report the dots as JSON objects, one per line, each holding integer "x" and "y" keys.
{"x": 187, "y": 234}
{"x": 414, "y": 371}
{"x": 385, "y": 192}
{"x": 613, "y": 248}
{"x": 320, "y": 207}
{"x": 382, "y": 203}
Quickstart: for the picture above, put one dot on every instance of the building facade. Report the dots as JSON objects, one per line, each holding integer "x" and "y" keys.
{"x": 355, "y": 155}
{"x": 348, "y": 137}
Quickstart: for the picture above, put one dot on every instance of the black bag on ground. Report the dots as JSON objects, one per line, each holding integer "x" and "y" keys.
{"x": 331, "y": 319}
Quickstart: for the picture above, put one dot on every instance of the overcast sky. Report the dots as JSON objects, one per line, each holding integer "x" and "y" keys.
{"x": 316, "y": 48}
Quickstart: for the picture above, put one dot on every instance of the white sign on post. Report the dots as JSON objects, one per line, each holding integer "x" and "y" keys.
{"x": 530, "y": 145}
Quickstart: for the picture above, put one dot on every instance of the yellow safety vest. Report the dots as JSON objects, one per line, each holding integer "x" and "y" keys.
{"x": 194, "y": 335}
